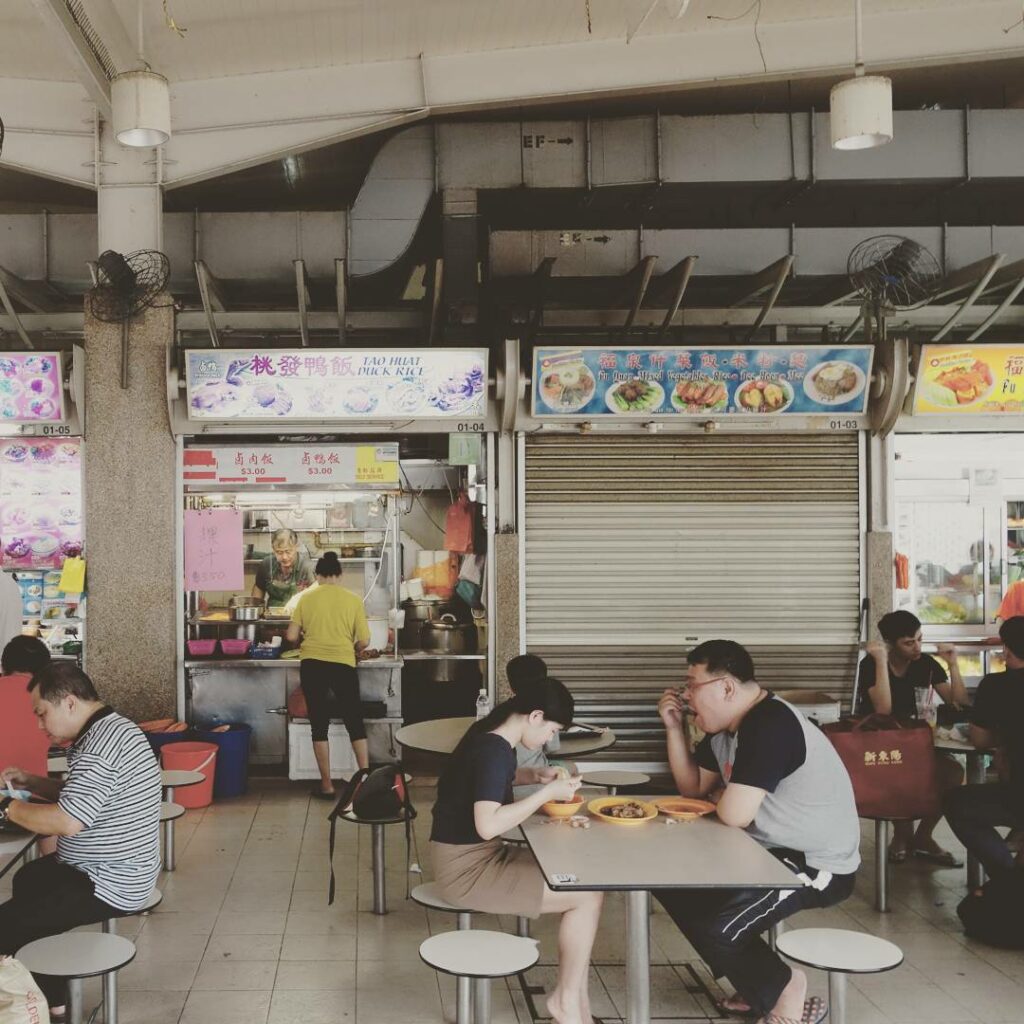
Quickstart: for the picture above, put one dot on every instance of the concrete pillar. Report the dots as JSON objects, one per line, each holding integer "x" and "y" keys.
{"x": 879, "y": 547}
{"x": 506, "y": 569}
{"x": 130, "y": 516}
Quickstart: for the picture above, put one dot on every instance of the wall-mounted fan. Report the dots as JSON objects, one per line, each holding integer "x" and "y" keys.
{"x": 126, "y": 286}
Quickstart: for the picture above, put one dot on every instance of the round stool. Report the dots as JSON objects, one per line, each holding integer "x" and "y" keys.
{"x": 74, "y": 956}
{"x": 840, "y": 952}
{"x": 110, "y": 980}
{"x": 427, "y": 895}
{"x": 479, "y": 956}
{"x": 169, "y": 813}
{"x": 612, "y": 780}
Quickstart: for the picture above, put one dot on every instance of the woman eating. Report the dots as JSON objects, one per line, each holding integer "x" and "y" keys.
{"x": 331, "y": 622}
{"x": 475, "y": 870}
{"x": 284, "y": 573}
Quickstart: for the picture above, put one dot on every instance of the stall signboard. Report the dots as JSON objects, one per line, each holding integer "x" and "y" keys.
{"x": 213, "y": 549}
{"x": 965, "y": 379}
{"x": 40, "y": 503}
{"x": 713, "y": 381}
{"x": 336, "y": 384}
{"x": 232, "y": 468}
{"x": 31, "y": 387}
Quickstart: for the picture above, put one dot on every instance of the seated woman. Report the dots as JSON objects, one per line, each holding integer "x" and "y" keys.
{"x": 22, "y": 742}
{"x": 475, "y": 806}
{"x": 886, "y": 680}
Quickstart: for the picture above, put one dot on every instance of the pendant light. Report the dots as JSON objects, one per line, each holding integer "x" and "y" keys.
{"x": 861, "y": 107}
{"x": 141, "y": 104}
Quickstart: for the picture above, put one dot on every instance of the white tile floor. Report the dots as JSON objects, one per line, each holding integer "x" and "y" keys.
{"x": 244, "y": 935}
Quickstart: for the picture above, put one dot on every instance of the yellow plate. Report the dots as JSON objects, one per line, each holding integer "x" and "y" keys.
{"x": 597, "y": 806}
{"x": 683, "y": 807}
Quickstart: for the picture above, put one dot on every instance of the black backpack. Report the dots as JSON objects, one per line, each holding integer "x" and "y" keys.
{"x": 996, "y": 916}
{"x": 374, "y": 795}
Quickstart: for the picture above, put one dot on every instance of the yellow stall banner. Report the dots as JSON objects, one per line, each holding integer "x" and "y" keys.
{"x": 376, "y": 464}
{"x": 981, "y": 379}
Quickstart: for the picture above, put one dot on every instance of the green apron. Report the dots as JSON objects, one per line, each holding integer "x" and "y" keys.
{"x": 281, "y": 589}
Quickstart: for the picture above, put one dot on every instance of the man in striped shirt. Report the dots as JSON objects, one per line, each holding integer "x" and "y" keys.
{"x": 105, "y": 814}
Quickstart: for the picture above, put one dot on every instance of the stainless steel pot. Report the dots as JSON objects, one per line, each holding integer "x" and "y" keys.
{"x": 416, "y": 614}
{"x": 445, "y": 635}
{"x": 245, "y": 609}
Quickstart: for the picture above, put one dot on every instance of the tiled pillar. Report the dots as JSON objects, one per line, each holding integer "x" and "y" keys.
{"x": 130, "y": 516}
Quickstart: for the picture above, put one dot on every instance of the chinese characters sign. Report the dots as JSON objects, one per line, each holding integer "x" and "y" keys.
{"x": 780, "y": 380}
{"x": 336, "y": 384}
{"x": 268, "y": 465}
{"x": 970, "y": 379}
{"x": 213, "y": 549}
{"x": 31, "y": 388}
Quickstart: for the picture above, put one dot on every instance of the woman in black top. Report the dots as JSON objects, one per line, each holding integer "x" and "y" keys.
{"x": 475, "y": 870}
{"x": 886, "y": 681}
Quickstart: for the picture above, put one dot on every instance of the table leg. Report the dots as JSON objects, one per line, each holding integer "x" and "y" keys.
{"x": 881, "y": 865}
{"x": 74, "y": 1001}
{"x": 110, "y": 981}
{"x": 464, "y": 985}
{"x": 481, "y": 1001}
{"x": 638, "y": 957}
{"x": 613, "y": 790}
{"x": 836, "y": 997}
{"x": 975, "y": 776}
{"x": 380, "y": 905}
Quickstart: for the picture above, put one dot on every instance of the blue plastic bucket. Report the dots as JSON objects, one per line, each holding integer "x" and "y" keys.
{"x": 159, "y": 739}
{"x": 232, "y": 776}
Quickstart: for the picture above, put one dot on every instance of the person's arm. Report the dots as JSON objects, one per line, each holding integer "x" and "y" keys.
{"x": 259, "y": 587}
{"x": 293, "y": 633}
{"x": 690, "y": 778}
{"x": 739, "y": 804}
{"x": 981, "y": 738}
{"x": 492, "y": 818}
{"x": 954, "y": 691}
{"x": 38, "y": 785}
{"x": 879, "y": 691}
{"x": 44, "y": 819}
{"x": 984, "y": 731}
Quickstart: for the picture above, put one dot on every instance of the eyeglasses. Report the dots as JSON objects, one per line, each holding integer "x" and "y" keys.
{"x": 688, "y": 685}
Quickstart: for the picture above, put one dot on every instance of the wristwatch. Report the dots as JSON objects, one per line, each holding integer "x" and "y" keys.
{"x": 4, "y": 804}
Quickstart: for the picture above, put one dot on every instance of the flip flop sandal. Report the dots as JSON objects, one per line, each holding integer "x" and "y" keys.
{"x": 815, "y": 1011}
{"x": 738, "y": 1007}
{"x": 319, "y": 794}
{"x": 943, "y": 858}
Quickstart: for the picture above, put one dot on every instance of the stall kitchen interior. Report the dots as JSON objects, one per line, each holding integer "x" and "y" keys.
{"x": 381, "y": 506}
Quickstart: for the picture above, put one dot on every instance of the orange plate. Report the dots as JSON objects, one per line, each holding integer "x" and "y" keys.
{"x": 683, "y": 807}
{"x": 596, "y": 807}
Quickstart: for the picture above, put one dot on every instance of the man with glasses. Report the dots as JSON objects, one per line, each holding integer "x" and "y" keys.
{"x": 774, "y": 774}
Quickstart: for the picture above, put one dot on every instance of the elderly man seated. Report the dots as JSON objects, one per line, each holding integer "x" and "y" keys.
{"x": 106, "y": 815}
{"x": 997, "y": 722}
{"x": 774, "y": 774}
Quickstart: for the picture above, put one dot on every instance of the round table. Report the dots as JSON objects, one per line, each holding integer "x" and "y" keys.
{"x": 442, "y": 735}
{"x": 612, "y": 780}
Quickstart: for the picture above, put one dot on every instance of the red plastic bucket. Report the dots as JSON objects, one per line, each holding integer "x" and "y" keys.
{"x": 192, "y": 757}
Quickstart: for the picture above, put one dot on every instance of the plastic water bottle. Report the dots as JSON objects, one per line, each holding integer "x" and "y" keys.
{"x": 483, "y": 705}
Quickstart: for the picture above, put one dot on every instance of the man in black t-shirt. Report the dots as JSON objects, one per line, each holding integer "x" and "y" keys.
{"x": 886, "y": 681}
{"x": 974, "y": 812}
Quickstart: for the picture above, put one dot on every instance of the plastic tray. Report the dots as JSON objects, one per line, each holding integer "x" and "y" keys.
{"x": 201, "y": 648}
{"x": 235, "y": 648}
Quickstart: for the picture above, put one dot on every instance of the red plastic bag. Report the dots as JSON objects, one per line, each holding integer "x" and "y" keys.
{"x": 458, "y": 526}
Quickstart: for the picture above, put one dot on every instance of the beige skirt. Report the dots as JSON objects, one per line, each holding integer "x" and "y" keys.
{"x": 489, "y": 877}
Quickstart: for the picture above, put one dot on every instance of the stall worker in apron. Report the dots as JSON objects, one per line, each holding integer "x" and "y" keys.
{"x": 284, "y": 573}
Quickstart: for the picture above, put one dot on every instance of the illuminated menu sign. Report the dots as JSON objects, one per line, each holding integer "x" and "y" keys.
{"x": 31, "y": 387}
{"x": 271, "y": 465}
{"x": 965, "y": 379}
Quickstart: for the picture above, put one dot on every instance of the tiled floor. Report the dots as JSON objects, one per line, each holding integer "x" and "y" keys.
{"x": 244, "y": 935}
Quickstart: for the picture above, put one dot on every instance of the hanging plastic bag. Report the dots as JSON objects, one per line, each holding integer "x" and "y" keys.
{"x": 21, "y": 1002}
{"x": 458, "y": 526}
{"x": 72, "y": 577}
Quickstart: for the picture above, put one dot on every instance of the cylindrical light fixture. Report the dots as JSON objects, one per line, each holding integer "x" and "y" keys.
{"x": 141, "y": 102}
{"x": 861, "y": 112}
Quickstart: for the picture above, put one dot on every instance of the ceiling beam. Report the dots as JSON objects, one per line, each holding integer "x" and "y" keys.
{"x": 783, "y": 268}
{"x": 999, "y": 311}
{"x": 302, "y": 293}
{"x": 767, "y": 280}
{"x": 681, "y": 273}
{"x": 211, "y": 297}
{"x": 88, "y": 69}
{"x": 436, "y": 287}
{"x": 541, "y": 277}
{"x": 992, "y": 264}
{"x": 964, "y": 278}
{"x": 12, "y": 316}
{"x": 341, "y": 295}
{"x": 36, "y": 297}
{"x": 641, "y": 274}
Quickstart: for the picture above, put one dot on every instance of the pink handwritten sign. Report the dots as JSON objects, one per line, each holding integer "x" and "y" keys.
{"x": 213, "y": 549}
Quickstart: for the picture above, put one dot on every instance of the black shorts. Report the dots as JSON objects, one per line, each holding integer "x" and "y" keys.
{"x": 321, "y": 679}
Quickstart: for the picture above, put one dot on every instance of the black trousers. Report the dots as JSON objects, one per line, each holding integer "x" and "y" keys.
{"x": 725, "y": 926}
{"x": 973, "y": 812}
{"x": 320, "y": 679}
{"x": 49, "y": 898}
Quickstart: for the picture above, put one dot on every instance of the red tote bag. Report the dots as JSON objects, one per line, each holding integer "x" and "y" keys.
{"x": 891, "y": 765}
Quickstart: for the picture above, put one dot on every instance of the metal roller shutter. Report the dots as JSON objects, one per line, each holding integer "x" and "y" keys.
{"x": 638, "y": 547}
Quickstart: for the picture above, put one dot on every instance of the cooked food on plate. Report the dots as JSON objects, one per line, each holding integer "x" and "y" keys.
{"x": 835, "y": 380}
{"x": 764, "y": 396}
{"x": 700, "y": 395}
{"x": 567, "y": 388}
{"x": 635, "y": 395}
{"x": 630, "y": 809}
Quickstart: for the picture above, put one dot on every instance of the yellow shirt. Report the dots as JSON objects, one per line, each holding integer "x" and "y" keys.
{"x": 333, "y": 620}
